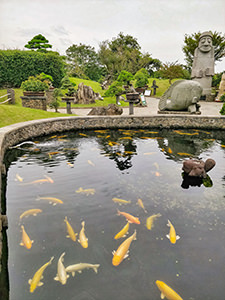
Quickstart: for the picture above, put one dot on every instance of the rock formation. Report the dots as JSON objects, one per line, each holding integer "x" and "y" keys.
{"x": 86, "y": 95}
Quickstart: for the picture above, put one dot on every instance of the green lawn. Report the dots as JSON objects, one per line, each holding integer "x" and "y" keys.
{"x": 10, "y": 114}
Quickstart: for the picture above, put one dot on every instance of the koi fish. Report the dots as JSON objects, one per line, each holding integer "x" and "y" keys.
{"x": 156, "y": 165}
{"x": 82, "y": 134}
{"x": 166, "y": 291}
{"x": 91, "y": 163}
{"x": 29, "y": 212}
{"x": 69, "y": 164}
{"x": 155, "y": 132}
{"x": 52, "y": 200}
{"x": 157, "y": 174}
{"x": 222, "y": 146}
{"x": 129, "y": 217}
{"x": 121, "y": 201}
{"x": 122, "y": 252}
{"x": 61, "y": 275}
{"x": 101, "y": 131}
{"x": 26, "y": 241}
{"x": 19, "y": 178}
{"x": 170, "y": 150}
{"x": 172, "y": 234}
{"x": 83, "y": 240}
{"x": 81, "y": 266}
{"x": 149, "y": 153}
{"x": 71, "y": 233}
{"x": 126, "y": 138}
{"x": 184, "y": 154}
{"x": 53, "y": 153}
{"x": 35, "y": 281}
{"x": 150, "y": 220}
{"x": 61, "y": 136}
{"x": 129, "y": 152}
{"x": 53, "y": 137}
{"x": 122, "y": 232}
{"x": 86, "y": 191}
{"x": 140, "y": 203}
{"x": 48, "y": 179}
{"x": 112, "y": 143}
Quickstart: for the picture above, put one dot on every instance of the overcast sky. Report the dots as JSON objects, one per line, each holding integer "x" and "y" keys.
{"x": 158, "y": 25}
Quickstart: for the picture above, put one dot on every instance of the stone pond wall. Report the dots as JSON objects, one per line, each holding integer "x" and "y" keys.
{"x": 17, "y": 133}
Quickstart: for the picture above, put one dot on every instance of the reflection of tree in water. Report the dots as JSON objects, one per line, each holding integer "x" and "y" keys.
{"x": 178, "y": 144}
{"x": 120, "y": 149}
{"x": 195, "y": 181}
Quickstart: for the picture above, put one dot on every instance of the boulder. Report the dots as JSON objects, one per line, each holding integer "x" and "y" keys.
{"x": 86, "y": 95}
{"x": 111, "y": 109}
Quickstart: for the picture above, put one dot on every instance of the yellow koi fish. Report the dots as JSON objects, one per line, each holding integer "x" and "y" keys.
{"x": 126, "y": 138}
{"x": 19, "y": 178}
{"x": 140, "y": 203}
{"x": 61, "y": 136}
{"x": 170, "y": 150}
{"x": 26, "y": 241}
{"x": 122, "y": 232}
{"x": 83, "y": 240}
{"x": 122, "y": 252}
{"x": 172, "y": 234}
{"x": 71, "y": 233}
{"x": 120, "y": 201}
{"x": 113, "y": 143}
{"x": 91, "y": 163}
{"x": 150, "y": 221}
{"x": 52, "y": 200}
{"x": 223, "y": 146}
{"x": 184, "y": 154}
{"x": 69, "y": 164}
{"x": 35, "y": 281}
{"x": 47, "y": 179}
{"x": 61, "y": 275}
{"x": 29, "y": 212}
{"x": 81, "y": 266}
{"x": 53, "y": 153}
{"x": 166, "y": 291}
{"x": 86, "y": 191}
{"x": 82, "y": 134}
{"x": 101, "y": 131}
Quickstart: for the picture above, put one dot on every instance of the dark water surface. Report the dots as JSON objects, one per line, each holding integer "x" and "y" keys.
{"x": 131, "y": 165}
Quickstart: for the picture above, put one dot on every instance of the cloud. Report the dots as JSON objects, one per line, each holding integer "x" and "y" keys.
{"x": 60, "y": 30}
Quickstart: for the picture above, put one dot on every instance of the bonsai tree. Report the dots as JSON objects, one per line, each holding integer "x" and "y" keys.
{"x": 39, "y": 43}
{"x": 33, "y": 84}
{"x": 45, "y": 78}
{"x": 69, "y": 86}
{"x": 57, "y": 93}
{"x": 115, "y": 89}
{"x": 141, "y": 78}
{"x": 125, "y": 77}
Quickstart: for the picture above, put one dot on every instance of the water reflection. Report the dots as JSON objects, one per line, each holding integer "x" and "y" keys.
{"x": 98, "y": 160}
{"x": 195, "y": 181}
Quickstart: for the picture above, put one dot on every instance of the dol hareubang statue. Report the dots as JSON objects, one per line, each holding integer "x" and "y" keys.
{"x": 203, "y": 63}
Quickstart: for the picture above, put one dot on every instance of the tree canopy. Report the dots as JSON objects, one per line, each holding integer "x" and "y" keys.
{"x": 84, "y": 62}
{"x": 124, "y": 53}
{"x": 39, "y": 43}
{"x": 191, "y": 43}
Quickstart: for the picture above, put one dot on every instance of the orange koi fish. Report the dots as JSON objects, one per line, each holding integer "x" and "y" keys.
{"x": 48, "y": 179}
{"x": 82, "y": 134}
{"x": 172, "y": 234}
{"x": 122, "y": 252}
{"x": 166, "y": 291}
{"x": 26, "y": 241}
{"x": 129, "y": 217}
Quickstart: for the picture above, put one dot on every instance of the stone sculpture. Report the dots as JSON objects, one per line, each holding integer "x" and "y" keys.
{"x": 203, "y": 63}
{"x": 221, "y": 88}
{"x": 111, "y": 109}
{"x": 86, "y": 95}
{"x": 198, "y": 168}
{"x": 182, "y": 95}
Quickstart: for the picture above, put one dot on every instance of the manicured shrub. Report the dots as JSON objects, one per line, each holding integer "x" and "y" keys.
{"x": 17, "y": 65}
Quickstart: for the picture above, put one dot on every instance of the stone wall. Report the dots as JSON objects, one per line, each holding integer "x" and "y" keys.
{"x": 16, "y": 133}
{"x": 34, "y": 102}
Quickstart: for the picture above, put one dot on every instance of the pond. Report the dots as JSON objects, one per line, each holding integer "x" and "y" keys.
{"x": 89, "y": 174}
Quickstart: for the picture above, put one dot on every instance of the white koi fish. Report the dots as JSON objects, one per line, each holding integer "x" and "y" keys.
{"x": 83, "y": 240}
{"x": 71, "y": 233}
{"x": 52, "y": 200}
{"x": 61, "y": 275}
{"x": 29, "y": 212}
{"x": 26, "y": 241}
{"x": 150, "y": 220}
{"x": 122, "y": 252}
{"x": 35, "y": 281}
{"x": 91, "y": 163}
{"x": 166, "y": 291}
{"x": 81, "y": 266}
{"x": 172, "y": 234}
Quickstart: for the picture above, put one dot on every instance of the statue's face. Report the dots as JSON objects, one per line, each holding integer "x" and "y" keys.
{"x": 205, "y": 43}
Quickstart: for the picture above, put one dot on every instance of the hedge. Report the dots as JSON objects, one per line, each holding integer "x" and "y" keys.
{"x": 17, "y": 65}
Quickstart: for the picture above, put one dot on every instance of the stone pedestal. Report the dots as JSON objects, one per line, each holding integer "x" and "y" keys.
{"x": 49, "y": 95}
{"x": 35, "y": 102}
{"x": 68, "y": 101}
